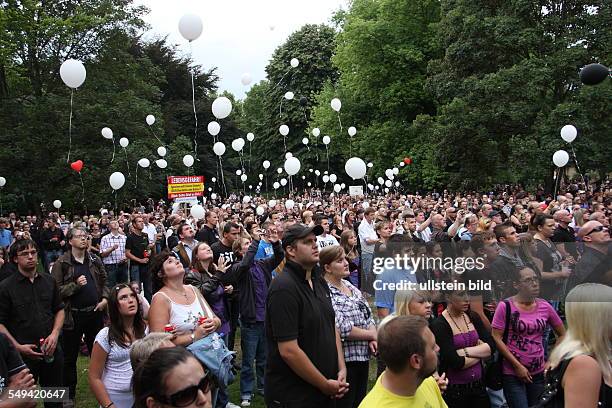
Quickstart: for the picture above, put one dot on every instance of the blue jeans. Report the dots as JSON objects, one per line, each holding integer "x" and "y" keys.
{"x": 367, "y": 283}
{"x": 51, "y": 256}
{"x": 496, "y": 397}
{"x": 522, "y": 395}
{"x": 140, "y": 273}
{"x": 116, "y": 273}
{"x": 221, "y": 397}
{"x": 253, "y": 345}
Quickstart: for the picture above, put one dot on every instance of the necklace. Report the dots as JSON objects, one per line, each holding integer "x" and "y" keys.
{"x": 455, "y": 323}
{"x": 184, "y": 293}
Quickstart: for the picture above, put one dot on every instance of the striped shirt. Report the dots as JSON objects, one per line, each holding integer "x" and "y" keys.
{"x": 107, "y": 243}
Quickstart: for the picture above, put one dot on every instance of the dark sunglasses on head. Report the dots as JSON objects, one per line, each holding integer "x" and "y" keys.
{"x": 596, "y": 229}
{"x": 188, "y": 395}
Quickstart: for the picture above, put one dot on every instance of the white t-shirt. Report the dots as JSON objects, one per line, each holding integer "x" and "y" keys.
{"x": 325, "y": 241}
{"x": 425, "y": 235}
{"x": 117, "y": 374}
{"x": 150, "y": 230}
{"x": 366, "y": 231}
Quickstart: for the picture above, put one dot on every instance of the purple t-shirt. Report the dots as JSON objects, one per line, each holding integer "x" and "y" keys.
{"x": 261, "y": 292}
{"x": 525, "y": 333}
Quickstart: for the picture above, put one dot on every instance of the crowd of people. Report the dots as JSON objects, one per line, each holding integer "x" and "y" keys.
{"x": 318, "y": 287}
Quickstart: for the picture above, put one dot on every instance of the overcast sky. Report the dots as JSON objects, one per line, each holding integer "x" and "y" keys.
{"x": 239, "y": 35}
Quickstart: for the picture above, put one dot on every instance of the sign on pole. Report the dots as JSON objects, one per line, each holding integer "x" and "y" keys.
{"x": 185, "y": 186}
{"x": 355, "y": 190}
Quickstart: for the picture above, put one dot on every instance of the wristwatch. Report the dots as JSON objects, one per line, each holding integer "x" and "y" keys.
{"x": 193, "y": 337}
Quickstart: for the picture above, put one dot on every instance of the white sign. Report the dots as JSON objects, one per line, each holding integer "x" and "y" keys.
{"x": 355, "y": 190}
{"x": 190, "y": 200}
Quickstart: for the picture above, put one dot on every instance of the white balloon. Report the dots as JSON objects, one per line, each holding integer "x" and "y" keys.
{"x": 221, "y": 107}
{"x": 317, "y": 173}
{"x": 316, "y": 132}
{"x": 250, "y": 137}
{"x": 288, "y": 155}
{"x": 124, "y": 142}
{"x": 402, "y": 164}
{"x": 325, "y": 178}
{"x": 161, "y": 150}
{"x": 276, "y": 185}
{"x": 283, "y": 182}
{"x": 305, "y": 141}
{"x": 386, "y": 190}
{"x": 188, "y": 160}
{"x": 370, "y": 165}
{"x": 261, "y": 176}
{"x": 107, "y": 133}
{"x": 560, "y": 158}
{"x": 150, "y": 119}
{"x": 279, "y": 170}
{"x": 190, "y": 26}
{"x": 246, "y": 79}
{"x": 326, "y": 140}
{"x": 214, "y": 128}
{"x": 337, "y": 188}
{"x": 381, "y": 181}
{"x": 214, "y": 179}
{"x": 73, "y": 73}
{"x": 213, "y": 196}
{"x": 352, "y": 131}
{"x": 292, "y": 166}
{"x": 397, "y": 184}
{"x": 289, "y": 204}
{"x": 568, "y": 133}
{"x": 197, "y": 211}
{"x": 333, "y": 178}
{"x": 266, "y": 164}
{"x": 284, "y": 130}
{"x": 161, "y": 163}
{"x": 238, "y": 172}
{"x": 295, "y": 62}
{"x": 238, "y": 144}
{"x": 219, "y": 148}
{"x": 57, "y": 204}
{"x": 272, "y": 203}
{"x": 260, "y": 210}
{"x": 395, "y": 171}
{"x": 289, "y": 95}
{"x": 336, "y": 104}
{"x": 355, "y": 168}
{"x": 116, "y": 180}
{"x": 309, "y": 184}
{"x": 144, "y": 162}
{"x": 389, "y": 173}
{"x": 371, "y": 186}
{"x": 243, "y": 178}
{"x": 388, "y": 183}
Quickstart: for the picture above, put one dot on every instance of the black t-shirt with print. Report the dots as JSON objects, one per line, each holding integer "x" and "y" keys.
{"x": 137, "y": 244}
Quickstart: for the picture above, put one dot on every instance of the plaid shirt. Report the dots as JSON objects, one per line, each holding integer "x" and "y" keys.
{"x": 107, "y": 243}
{"x": 351, "y": 311}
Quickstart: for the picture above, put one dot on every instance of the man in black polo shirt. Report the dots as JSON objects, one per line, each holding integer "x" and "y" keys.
{"x": 564, "y": 236}
{"x": 137, "y": 250}
{"x": 209, "y": 233}
{"x": 31, "y": 310}
{"x": 305, "y": 359}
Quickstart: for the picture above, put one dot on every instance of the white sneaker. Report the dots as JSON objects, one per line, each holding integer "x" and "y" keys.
{"x": 245, "y": 403}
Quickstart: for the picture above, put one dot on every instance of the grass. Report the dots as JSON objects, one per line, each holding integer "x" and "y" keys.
{"x": 85, "y": 398}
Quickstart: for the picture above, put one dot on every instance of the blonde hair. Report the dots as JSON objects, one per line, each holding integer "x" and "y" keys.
{"x": 484, "y": 224}
{"x": 402, "y": 300}
{"x": 588, "y": 308}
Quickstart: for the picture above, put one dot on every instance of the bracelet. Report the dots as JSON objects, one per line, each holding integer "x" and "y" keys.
{"x": 109, "y": 405}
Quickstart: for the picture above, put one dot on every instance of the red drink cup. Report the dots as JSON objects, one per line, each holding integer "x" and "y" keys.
{"x": 169, "y": 328}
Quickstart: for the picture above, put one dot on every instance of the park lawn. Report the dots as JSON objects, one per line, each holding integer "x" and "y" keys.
{"x": 85, "y": 398}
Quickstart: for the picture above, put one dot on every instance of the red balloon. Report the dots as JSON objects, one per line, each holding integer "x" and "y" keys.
{"x": 408, "y": 160}
{"x": 77, "y": 166}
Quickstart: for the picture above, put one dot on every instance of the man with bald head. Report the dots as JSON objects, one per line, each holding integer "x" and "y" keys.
{"x": 564, "y": 236}
{"x": 600, "y": 217}
{"x": 595, "y": 265}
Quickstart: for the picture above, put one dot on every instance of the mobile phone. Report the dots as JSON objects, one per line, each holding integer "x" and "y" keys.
{"x": 263, "y": 232}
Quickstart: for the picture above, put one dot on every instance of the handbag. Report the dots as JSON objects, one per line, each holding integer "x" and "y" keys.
{"x": 213, "y": 353}
{"x": 494, "y": 369}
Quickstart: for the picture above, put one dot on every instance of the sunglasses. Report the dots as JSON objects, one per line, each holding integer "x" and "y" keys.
{"x": 596, "y": 229}
{"x": 188, "y": 395}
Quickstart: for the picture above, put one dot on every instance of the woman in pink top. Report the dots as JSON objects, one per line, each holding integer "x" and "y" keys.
{"x": 523, "y": 352}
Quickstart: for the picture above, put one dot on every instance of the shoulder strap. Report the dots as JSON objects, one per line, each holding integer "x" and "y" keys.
{"x": 507, "y": 325}
{"x": 203, "y": 304}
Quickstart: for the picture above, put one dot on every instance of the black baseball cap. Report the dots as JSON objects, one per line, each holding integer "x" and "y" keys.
{"x": 299, "y": 231}
{"x": 493, "y": 213}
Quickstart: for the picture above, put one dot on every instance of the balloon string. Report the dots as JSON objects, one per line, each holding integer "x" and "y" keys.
{"x": 280, "y": 111}
{"x": 327, "y": 153}
{"x": 222, "y": 177}
{"x": 150, "y": 177}
{"x": 577, "y": 166}
{"x": 1, "y": 212}
{"x": 339, "y": 121}
{"x": 113, "y": 158}
{"x": 82, "y": 188}
{"x": 281, "y": 80}
{"x": 250, "y": 145}
{"x": 195, "y": 115}
{"x": 136, "y": 184}
{"x": 285, "y": 143}
{"x": 151, "y": 129}
{"x": 305, "y": 118}
{"x": 127, "y": 162}
{"x": 70, "y": 127}
{"x": 115, "y": 194}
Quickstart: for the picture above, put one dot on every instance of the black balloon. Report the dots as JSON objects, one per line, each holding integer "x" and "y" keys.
{"x": 594, "y": 74}
{"x": 303, "y": 101}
